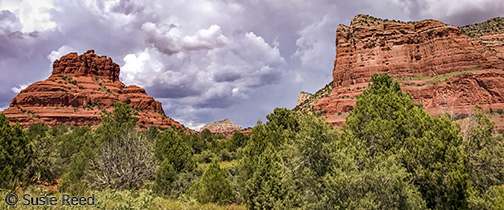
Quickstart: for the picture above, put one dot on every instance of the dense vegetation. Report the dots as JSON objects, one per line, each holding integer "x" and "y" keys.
{"x": 390, "y": 154}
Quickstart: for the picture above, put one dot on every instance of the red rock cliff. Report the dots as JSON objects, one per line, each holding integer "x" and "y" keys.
{"x": 443, "y": 68}
{"x": 79, "y": 89}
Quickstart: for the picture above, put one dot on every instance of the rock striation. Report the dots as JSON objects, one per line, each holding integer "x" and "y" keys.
{"x": 223, "y": 126}
{"x": 79, "y": 89}
{"x": 443, "y": 68}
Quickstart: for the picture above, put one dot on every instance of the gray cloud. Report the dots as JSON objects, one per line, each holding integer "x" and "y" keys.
{"x": 206, "y": 60}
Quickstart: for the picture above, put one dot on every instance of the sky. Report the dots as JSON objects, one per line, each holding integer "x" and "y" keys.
{"x": 205, "y": 60}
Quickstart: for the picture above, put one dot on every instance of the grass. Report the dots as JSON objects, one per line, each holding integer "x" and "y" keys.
{"x": 115, "y": 199}
{"x": 434, "y": 79}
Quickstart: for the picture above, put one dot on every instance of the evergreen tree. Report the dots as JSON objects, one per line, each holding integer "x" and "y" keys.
{"x": 485, "y": 152}
{"x": 164, "y": 177}
{"x": 206, "y": 135}
{"x": 238, "y": 140}
{"x": 35, "y": 129}
{"x": 388, "y": 123}
{"x": 15, "y": 153}
{"x": 46, "y": 164}
{"x": 311, "y": 159}
{"x": 265, "y": 182}
{"x": 170, "y": 146}
{"x": 214, "y": 186}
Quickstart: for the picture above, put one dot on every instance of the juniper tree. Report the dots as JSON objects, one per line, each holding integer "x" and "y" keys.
{"x": 388, "y": 122}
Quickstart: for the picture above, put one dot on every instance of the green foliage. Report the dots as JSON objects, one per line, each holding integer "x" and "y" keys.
{"x": 388, "y": 123}
{"x": 495, "y": 198}
{"x": 381, "y": 184}
{"x": 206, "y": 135}
{"x": 263, "y": 180}
{"x": 500, "y": 111}
{"x": 112, "y": 156}
{"x": 238, "y": 140}
{"x": 170, "y": 146}
{"x": 310, "y": 157}
{"x": 205, "y": 157}
{"x": 46, "y": 164}
{"x": 284, "y": 119}
{"x": 35, "y": 129}
{"x": 84, "y": 148}
{"x": 485, "y": 152}
{"x": 164, "y": 177}
{"x": 121, "y": 119}
{"x": 197, "y": 143}
{"x": 270, "y": 186}
{"x": 214, "y": 186}
{"x": 16, "y": 152}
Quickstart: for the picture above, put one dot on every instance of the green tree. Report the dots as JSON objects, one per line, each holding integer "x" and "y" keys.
{"x": 206, "y": 135}
{"x": 170, "y": 146}
{"x": 85, "y": 148}
{"x": 271, "y": 186}
{"x": 485, "y": 152}
{"x": 15, "y": 153}
{"x": 238, "y": 140}
{"x": 264, "y": 181}
{"x": 35, "y": 129}
{"x": 214, "y": 186}
{"x": 382, "y": 183}
{"x": 46, "y": 164}
{"x": 113, "y": 156}
{"x": 284, "y": 119}
{"x": 312, "y": 159}
{"x": 164, "y": 177}
{"x": 388, "y": 123}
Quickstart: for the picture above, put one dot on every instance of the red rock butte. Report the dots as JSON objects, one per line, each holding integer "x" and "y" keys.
{"x": 446, "y": 68}
{"x": 79, "y": 89}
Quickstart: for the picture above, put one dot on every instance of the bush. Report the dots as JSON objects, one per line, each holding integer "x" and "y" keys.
{"x": 165, "y": 175}
{"x": 214, "y": 186}
{"x": 205, "y": 157}
{"x": 225, "y": 155}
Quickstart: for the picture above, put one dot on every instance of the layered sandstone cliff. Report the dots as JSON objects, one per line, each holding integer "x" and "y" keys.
{"x": 444, "y": 69}
{"x": 223, "y": 126}
{"x": 79, "y": 89}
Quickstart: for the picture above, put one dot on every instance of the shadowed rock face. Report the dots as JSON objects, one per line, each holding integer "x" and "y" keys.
{"x": 79, "y": 89}
{"x": 223, "y": 126}
{"x": 444, "y": 69}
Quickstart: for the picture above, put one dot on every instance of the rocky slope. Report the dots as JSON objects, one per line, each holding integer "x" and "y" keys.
{"x": 444, "y": 69}
{"x": 223, "y": 126}
{"x": 78, "y": 90}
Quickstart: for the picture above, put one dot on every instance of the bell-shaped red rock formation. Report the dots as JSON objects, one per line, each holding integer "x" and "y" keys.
{"x": 79, "y": 89}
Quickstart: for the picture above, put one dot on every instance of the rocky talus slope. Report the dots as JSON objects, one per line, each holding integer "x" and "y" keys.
{"x": 446, "y": 68}
{"x": 78, "y": 90}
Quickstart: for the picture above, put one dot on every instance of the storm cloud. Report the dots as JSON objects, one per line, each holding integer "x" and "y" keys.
{"x": 204, "y": 60}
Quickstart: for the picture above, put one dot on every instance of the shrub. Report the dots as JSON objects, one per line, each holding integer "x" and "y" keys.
{"x": 214, "y": 186}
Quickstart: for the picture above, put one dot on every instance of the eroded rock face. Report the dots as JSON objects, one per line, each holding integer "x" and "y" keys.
{"x": 223, "y": 126}
{"x": 79, "y": 89}
{"x": 303, "y": 96}
{"x": 444, "y": 69}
